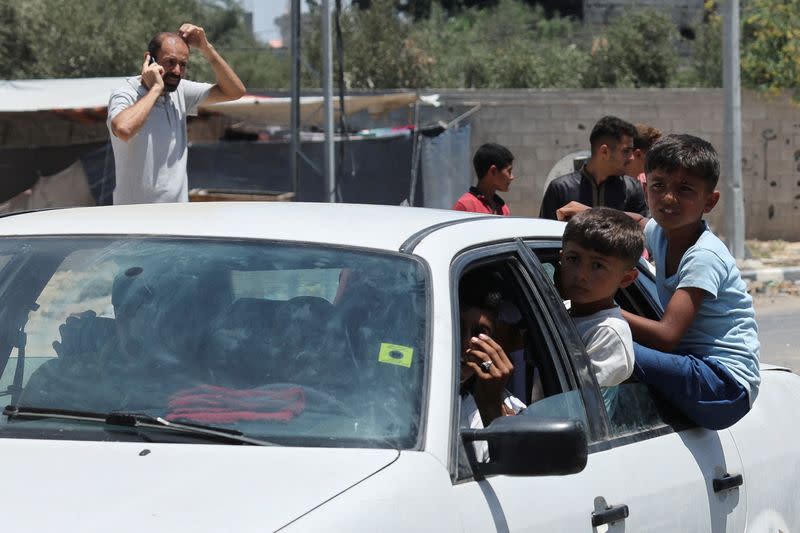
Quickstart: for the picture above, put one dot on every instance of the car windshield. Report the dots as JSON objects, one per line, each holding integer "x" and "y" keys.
{"x": 294, "y": 344}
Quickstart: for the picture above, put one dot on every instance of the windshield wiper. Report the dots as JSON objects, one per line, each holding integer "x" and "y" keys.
{"x": 134, "y": 420}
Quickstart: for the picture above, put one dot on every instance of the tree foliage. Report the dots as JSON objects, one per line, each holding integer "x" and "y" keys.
{"x": 89, "y": 38}
{"x": 410, "y": 44}
{"x": 637, "y": 51}
{"x": 770, "y": 51}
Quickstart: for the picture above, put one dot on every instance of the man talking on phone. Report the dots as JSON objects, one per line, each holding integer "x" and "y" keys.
{"x": 147, "y": 116}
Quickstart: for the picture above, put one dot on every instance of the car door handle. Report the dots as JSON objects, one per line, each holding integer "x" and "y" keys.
{"x": 727, "y": 482}
{"x": 612, "y": 513}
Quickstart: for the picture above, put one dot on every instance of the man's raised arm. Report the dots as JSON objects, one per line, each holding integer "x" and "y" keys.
{"x": 228, "y": 86}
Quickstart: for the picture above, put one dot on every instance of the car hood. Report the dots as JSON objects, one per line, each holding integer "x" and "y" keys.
{"x": 91, "y": 486}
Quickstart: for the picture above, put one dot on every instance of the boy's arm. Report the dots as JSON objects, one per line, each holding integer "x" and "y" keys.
{"x": 666, "y": 334}
{"x": 568, "y": 211}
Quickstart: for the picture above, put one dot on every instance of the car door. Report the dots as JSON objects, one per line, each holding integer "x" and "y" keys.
{"x": 557, "y": 503}
{"x": 675, "y": 476}
{"x": 648, "y": 468}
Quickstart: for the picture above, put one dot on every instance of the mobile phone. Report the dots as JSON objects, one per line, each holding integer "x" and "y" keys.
{"x": 152, "y": 59}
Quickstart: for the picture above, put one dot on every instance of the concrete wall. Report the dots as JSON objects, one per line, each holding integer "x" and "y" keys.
{"x": 542, "y": 126}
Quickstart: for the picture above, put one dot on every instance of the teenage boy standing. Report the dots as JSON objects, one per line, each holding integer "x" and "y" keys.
{"x": 493, "y": 166}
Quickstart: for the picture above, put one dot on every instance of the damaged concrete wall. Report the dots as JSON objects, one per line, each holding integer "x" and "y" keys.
{"x": 542, "y": 126}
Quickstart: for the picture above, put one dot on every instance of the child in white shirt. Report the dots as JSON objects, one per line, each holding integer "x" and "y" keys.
{"x": 600, "y": 249}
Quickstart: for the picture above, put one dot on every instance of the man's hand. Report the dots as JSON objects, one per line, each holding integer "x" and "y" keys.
{"x": 194, "y": 36}
{"x": 570, "y": 210}
{"x": 492, "y": 369}
{"x": 152, "y": 74}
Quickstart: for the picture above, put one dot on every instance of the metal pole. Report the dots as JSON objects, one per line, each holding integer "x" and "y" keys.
{"x": 733, "y": 199}
{"x": 294, "y": 160}
{"x": 327, "y": 91}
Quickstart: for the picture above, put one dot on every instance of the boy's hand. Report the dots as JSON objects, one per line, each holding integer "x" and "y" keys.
{"x": 570, "y": 210}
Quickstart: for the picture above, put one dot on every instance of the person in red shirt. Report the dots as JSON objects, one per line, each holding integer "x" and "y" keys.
{"x": 493, "y": 166}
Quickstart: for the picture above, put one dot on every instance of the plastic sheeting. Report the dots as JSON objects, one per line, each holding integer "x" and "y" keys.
{"x": 374, "y": 171}
{"x": 446, "y": 167}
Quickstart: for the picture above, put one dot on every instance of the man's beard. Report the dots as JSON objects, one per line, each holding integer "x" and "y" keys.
{"x": 169, "y": 86}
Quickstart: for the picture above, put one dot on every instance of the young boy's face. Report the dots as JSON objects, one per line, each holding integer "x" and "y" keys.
{"x": 474, "y": 321}
{"x": 590, "y": 279}
{"x": 678, "y": 199}
{"x": 500, "y": 178}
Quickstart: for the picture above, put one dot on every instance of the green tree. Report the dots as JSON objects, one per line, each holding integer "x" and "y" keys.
{"x": 377, "y": 49}
{"x": 770, "y": 50}
{"x": 17, "y": 54}
{"x": 638, "y": 50}
{"x": 510, "y": 45}
{"x": 91, "y": 38}
{"x": 706, "y": 61}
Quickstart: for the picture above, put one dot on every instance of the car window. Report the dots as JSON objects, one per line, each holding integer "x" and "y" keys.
{"x": 538, "y": 385}
{"x": 631, "y": 408}
{"x": 286, "y": 284}
{"x": 298, "y": 345}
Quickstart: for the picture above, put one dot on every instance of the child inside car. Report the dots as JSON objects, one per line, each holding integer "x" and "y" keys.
{"x": 600, "y": 249}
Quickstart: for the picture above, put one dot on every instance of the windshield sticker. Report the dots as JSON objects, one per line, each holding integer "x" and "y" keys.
{"x": 396, "y": 354}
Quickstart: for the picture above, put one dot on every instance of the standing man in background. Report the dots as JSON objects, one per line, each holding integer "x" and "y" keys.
{"x": 147, "y": 116}
{"x": 602, "y": 180}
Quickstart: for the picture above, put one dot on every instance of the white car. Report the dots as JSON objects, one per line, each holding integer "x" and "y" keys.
{"x": 295, "y": 367}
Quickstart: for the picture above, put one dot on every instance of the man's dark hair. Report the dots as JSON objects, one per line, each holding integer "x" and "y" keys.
{"x": 491, "y": 154}
{"x": 645, "y": 137}
{"x": 675, "y": 151}
{"x": 158, "y": 39}
{"x": 608, "y": 129}
{"x": 608, "y": 232}
{"x": 480, "y": 288}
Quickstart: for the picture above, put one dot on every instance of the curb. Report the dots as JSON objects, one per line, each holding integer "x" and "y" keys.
{"x": 775, "y": 275}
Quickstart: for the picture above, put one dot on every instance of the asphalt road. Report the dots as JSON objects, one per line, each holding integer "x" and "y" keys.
{"x": 778, "y": 318}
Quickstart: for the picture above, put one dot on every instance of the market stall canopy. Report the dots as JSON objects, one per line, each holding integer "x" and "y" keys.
{"x": 21, "y": 96}
{"x": 89, "y": 96}
{"x": 269, "y": 111}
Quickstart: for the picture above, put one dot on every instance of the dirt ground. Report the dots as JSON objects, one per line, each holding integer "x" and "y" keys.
{"x": 775, "y": 253}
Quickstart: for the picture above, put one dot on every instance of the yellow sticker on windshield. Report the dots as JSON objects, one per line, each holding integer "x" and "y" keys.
{"x": 395, "y": 354}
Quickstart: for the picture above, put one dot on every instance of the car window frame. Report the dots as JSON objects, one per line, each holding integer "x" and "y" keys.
{"x": 513, "y": 252}
{"x": 670, "y": 422}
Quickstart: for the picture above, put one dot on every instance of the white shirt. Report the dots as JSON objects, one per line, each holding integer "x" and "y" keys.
{"x": 471, "y": 418}
{"x": 151, "y": 166}
{"x": 609, "y": 344}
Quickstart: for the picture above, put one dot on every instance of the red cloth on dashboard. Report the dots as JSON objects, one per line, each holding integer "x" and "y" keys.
{"x": 219, "y": 405}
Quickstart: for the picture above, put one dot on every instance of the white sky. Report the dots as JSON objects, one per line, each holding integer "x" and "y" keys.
{"x": 264, "y": 13}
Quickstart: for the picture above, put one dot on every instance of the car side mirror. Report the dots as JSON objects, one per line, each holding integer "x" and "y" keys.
{"x": 531, "y": 446}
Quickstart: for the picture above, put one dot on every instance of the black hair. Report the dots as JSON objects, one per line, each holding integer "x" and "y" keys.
{"x": 491, "y": 154}
{"x": 610, "y": 128}
{"x": 688, "y": 152}
{"x": 154, "y": 47}
{"x": 606, "y": 231}
{"x": 480, "y": 288}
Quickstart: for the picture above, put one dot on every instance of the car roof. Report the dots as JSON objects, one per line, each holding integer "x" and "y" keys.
{"x": 370, "y": 226}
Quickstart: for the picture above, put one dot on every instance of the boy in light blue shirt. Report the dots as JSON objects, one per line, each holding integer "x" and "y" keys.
{"x": 702, "y": 356}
